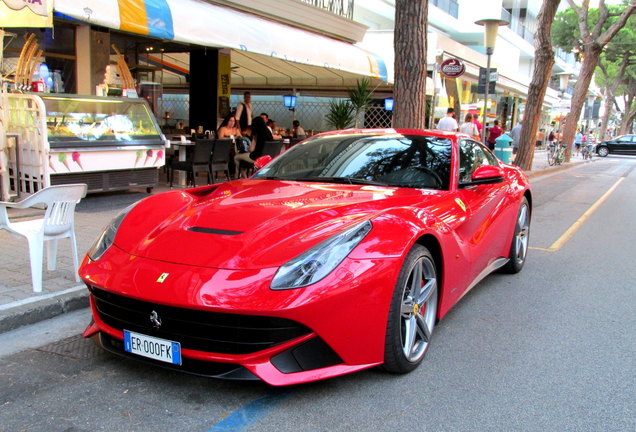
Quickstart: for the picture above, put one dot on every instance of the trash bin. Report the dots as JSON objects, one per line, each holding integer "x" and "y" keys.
{"x": 503, "y": 148}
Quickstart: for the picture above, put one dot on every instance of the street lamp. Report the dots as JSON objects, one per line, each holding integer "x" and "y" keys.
{"x": 490, "y": 37}
{"x": 590, "y": 104}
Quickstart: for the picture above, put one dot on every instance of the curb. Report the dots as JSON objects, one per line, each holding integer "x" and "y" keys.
{"x": 39, "y": 310}
{"x": 530, "y": 174}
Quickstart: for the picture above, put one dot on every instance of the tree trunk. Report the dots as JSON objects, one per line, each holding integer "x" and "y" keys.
{"x": 592, "y": 54}
{"x": 544, "y": 60}
{"x": 607, "y": 111}
{"x": 409, "y": 90}
{"x": 629, "y": 114}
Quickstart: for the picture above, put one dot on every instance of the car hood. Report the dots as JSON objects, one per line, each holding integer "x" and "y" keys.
{"x": 251, "y": 224}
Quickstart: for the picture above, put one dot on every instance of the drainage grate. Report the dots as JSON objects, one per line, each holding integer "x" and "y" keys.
{"x": 74, "y": 347}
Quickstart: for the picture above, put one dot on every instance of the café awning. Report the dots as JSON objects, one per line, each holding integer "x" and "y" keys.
{"x": 264, "y": 50}
{"x": 23, "y": 13}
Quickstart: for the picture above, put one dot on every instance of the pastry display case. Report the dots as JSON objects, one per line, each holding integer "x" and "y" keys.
{"x": 110, "y": 143}
{"x": 91, "y": 121}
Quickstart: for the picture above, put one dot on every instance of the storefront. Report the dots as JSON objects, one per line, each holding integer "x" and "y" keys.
{"x": 190, "y": 47}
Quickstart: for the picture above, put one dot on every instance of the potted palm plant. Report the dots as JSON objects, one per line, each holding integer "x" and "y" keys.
{"x": 360, "y": 97}
{"x": 340, "y": 114}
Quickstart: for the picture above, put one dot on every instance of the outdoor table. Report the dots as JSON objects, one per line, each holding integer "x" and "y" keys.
{"x": 181, "y": 145}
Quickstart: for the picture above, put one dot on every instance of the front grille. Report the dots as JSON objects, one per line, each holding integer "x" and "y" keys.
{"x": 215, "y": 332}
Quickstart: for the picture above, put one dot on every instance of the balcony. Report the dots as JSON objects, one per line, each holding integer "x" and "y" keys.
{"x": 449, "y": 6}
{"x": 343, "y": 8}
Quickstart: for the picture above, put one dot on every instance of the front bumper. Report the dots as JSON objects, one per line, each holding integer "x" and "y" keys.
{"x": 286, "y": 337}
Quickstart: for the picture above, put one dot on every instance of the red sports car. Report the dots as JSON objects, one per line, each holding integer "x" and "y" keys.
{"x": 339, "y": 255}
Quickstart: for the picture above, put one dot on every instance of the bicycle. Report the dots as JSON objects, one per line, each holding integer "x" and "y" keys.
{"x": 587, "y": 151}
{"x": 556, "y": 154}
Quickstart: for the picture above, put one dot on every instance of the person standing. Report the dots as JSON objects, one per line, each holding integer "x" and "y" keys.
{"x": 493, "y": 133}
{"x": 515, "y": 134}
{"x": 244, "y": 111}
{"x": 578, "y": 139}
{"x": 469, "y": 128}
{"x": 540, "y": 138}
{"x": 448, "y": 123}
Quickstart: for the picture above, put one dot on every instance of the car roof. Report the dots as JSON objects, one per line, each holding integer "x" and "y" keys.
{"x": 392, "y": 131}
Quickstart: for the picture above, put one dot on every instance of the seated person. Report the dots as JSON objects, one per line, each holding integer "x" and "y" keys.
{"x": 298, "y": 131}
{"x": 271, "y": 124}
{"x": 229, "y": 128}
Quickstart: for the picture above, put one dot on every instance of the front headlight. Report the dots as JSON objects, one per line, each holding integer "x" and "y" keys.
{"x": 108, "y": 236}
{"x": 313, "y": 265}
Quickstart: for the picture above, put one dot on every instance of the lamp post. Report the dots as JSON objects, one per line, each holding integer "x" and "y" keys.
{"x": 590, "y": 104}
{"x": 490, "y": 37}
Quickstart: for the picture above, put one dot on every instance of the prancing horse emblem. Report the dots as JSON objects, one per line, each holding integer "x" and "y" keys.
{"x": 155, "y": 319}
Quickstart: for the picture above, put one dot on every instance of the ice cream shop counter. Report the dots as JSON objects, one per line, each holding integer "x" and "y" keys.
{"x": 108, "y": 143}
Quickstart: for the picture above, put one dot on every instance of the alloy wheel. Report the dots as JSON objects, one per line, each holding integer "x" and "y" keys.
{"x": 419, "y": 309}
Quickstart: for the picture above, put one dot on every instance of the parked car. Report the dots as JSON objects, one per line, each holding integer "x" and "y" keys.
{"x": 624, "y": 144}
{"x": 339, "y": 255}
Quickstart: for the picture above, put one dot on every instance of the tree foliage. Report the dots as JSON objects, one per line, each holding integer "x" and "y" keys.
{"x": 587, "y": 31}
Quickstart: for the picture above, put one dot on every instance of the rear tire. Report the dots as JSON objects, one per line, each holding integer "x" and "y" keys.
{"x": 413, "y": 312}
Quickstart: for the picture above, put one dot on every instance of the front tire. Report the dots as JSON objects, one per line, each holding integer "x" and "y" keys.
{"x": 413, "y": 312}
{"x": 520, "y": 238}
{"x": 602, "y": 151}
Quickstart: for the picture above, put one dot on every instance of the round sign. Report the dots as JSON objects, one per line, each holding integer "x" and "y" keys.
{"x": 452, "y": 68}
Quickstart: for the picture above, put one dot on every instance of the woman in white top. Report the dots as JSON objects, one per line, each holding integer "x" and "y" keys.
{"x": 469, "y": 128}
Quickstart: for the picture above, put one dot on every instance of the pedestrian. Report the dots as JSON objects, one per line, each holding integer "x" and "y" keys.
{"x": 515, "y": 134}
{"x": 244, "y": 111}
{"x": 493, "y": 133}
{"x": 469, "y": 128}
{"x": 540, "y": 138}
{"x": 448, "y": 123}
{"x": 578, "y": 140}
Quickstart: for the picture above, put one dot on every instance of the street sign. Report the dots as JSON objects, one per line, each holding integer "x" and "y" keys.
{"x": 481, "y": 86}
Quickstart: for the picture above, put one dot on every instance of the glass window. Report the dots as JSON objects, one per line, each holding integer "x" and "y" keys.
{"x": 77, "y": 120}
{"x": 471, "y": 156}
{"x": 389, "y": 160}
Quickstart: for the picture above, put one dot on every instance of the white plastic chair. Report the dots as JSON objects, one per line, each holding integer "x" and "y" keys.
{"x": 57, "y": 223}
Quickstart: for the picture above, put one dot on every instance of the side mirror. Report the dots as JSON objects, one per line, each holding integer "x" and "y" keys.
{"x": 262, "y": 161}
{"x": 486, "y": 174}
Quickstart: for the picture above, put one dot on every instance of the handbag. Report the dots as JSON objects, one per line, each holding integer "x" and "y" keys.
{"x": 242, "y": 145}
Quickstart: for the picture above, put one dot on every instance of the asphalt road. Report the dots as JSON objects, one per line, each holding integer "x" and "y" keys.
{"x": 549, "y": 349}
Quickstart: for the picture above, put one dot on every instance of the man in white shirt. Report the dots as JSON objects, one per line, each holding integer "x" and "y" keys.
{"x": 244, "y": 112}
{"x": 448, "y": 123}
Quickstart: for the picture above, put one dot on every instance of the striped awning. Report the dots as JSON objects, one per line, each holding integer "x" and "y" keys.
{"x": 201, "y": 23}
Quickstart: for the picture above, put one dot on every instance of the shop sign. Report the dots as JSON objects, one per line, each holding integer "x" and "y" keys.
{"x": 26, "y": 13}
{"x": 452, "y": 68}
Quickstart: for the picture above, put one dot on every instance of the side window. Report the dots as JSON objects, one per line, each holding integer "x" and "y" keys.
{"x": 471, "y": 156}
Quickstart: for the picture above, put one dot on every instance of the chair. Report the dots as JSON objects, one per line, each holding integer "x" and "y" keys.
{"x": 221, "y": 157}
{"x": 200, "y": 162}
{"x": 57, "y": 223}
{"x": 272, "y": 148}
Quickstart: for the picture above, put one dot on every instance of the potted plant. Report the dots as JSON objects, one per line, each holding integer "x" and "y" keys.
{"x": 360, "y": 97}
{"x": 340, "y": 114}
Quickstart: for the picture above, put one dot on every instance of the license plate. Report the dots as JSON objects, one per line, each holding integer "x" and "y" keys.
{"x": 152, "y": 347}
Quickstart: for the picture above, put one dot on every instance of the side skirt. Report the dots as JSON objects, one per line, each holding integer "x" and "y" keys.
{"x": 496, "y": 264}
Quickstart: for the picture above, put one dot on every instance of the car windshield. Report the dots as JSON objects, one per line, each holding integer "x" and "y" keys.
{"x": 388, "y": 160}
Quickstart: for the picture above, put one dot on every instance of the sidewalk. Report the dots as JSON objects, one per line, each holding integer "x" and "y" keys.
{"x": 19, "y": 305}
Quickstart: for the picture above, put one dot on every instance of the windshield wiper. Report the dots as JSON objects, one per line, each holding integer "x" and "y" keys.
{"x": 342, "y": 180}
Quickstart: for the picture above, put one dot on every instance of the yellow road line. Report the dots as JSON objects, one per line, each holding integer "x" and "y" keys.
{"x": 561, "y": 241}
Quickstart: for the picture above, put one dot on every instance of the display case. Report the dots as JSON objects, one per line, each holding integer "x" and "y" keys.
{"x": 80, "y": 121}
{"x": 110, "y": 143}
